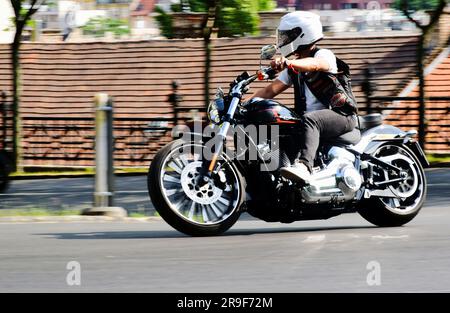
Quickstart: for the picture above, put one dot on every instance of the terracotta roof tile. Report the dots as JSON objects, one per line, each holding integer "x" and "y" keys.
{"x": 438, "y": 121}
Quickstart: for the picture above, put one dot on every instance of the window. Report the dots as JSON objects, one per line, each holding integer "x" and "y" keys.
{"x": 327, "y": 6}
{"x": 349, "y": 6}
{"x": 112, "y": 1}
{"x": 140, "y": 23}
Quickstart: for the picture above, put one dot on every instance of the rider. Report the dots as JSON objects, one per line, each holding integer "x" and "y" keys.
{"x": 298, "y": 34}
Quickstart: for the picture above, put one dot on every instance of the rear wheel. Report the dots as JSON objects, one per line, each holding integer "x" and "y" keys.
{"x": 195, "y": 209}
{"x": 411, "y": 191}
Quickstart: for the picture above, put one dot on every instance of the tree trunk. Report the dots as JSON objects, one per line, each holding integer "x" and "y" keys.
{"x": 207, "y": 32}
{"x": 207, "y": 47}
{"x": 15, "y": 58}
{"x": 422, "y": 102}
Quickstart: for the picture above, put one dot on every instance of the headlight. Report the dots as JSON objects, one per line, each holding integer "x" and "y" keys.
{"x": 216, "y": 107}
{"x": 213, "y": 112}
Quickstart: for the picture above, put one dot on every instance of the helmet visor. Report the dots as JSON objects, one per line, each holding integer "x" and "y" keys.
{"x": 285, "y": 37}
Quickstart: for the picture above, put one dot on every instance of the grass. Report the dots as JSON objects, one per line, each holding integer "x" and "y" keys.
{"x": 137, "y": 215}
{"x": 38, "y": 212}
{"x": 438, "y": 158}
{"x": 73, "y": 171}
{"x": 140, "y": 215}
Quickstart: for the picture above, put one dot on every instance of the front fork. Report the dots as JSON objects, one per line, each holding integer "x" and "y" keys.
{"x": 208, "y": 167}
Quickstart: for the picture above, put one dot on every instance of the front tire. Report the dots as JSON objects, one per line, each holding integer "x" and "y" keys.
{"x": 392, "y": 212}
{"x": 197, "y": 211}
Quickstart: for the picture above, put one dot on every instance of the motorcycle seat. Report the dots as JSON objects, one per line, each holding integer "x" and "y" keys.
{"x": 370, "y": 120}
{"x": 350, "y": 138}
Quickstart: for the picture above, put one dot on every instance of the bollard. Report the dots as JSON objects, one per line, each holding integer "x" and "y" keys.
{"x": 368, "y": 86}
{"x": 175, "y": 98}
{"x": 4, "y": 120}
{"x": 104, "y": 169}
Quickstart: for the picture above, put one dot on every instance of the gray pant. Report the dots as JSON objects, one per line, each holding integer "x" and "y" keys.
{"x": 321, "y": 124}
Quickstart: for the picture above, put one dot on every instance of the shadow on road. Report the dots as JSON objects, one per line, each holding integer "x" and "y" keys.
{"x": 174, "y": 234}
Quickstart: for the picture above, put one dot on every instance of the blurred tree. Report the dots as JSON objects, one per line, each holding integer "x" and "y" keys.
{"x": 209, "y": 26}
{"x": 23, "y": 11}
{"x": 416, "y": 5}
{"x": 266, "y": 5}
{"x": 436, "y": 11}
{"x": 99, "y": 26}
{"x": 165, "y": 22}
{"x": 234, "y": 17}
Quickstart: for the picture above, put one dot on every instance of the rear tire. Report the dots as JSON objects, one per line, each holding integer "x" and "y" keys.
{"x": 177, "y": 216}
{"x": 383, "y": 212}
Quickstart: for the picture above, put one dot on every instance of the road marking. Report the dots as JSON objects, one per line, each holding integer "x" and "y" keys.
{"x": 314, "y": 239}
{"x": 389, "y": 237}
{"x": 427, "y": 291}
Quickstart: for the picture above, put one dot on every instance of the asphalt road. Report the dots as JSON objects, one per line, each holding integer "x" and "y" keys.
{"x": 343, "y": 254}
{"x": 131, "y": 192}
{"x": 75, "y": 193}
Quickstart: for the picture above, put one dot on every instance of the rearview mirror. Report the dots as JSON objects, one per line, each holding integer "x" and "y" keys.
{"x": 268, "y": 52}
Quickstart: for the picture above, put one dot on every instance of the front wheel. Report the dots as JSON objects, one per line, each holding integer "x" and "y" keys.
{"x": 412, "y": 191}
{"x": 195, "y": 209}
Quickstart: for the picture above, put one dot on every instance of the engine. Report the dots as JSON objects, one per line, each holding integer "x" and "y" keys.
{"x": 337, "y": 182}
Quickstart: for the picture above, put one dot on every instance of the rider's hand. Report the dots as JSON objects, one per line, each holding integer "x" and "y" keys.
{"x": 279, "y": 64}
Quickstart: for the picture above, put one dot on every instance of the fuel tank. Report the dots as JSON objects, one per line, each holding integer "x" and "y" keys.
{"x": 266, "y": 111}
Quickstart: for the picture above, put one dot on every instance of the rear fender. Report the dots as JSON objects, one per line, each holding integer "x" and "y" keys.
{"x": 387, "y": 133}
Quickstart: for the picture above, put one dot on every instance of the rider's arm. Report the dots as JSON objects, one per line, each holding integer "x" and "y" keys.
{"x": 309, "y": 65}
{"x": 270, "y": 91}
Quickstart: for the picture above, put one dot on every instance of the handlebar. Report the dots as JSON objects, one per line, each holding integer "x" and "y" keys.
{"x": 263, "y": 74}
{"x": 239, "y": 86}
{"x": 266, "y": 73}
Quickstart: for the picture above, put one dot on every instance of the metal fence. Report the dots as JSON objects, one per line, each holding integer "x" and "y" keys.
{"x": 69, "y": 141}
{"x": 5, "y": 124}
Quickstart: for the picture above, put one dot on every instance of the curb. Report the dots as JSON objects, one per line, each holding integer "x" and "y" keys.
{"x": 57, "y": 176}
{"x": 76, "y": 219}
{"x": 441, "y": 164}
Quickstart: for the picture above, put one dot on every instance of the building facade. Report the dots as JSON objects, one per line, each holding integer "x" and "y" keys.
{"x": 334, "y": 4}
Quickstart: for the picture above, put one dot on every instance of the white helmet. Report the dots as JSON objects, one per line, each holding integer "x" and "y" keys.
{"x": 298, "y": 29}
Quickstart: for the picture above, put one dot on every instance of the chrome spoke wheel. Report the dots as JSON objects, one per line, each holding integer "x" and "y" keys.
{"x": 207, "y": 203}
{"x": 411, "y": 189}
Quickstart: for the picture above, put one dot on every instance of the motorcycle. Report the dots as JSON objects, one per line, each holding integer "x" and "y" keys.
{"x": 376, "y": 169}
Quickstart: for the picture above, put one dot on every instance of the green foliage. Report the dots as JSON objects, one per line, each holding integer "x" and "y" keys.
{"x": 12, "y": 20}
{"x": 165, "y": 22}
{"x": 416, "y": 5}
{"x": 197, "y": 5}
{"x": 236, "y": 17}
{"x": 266, "y": 5}
{"x": 99, "y": 26}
